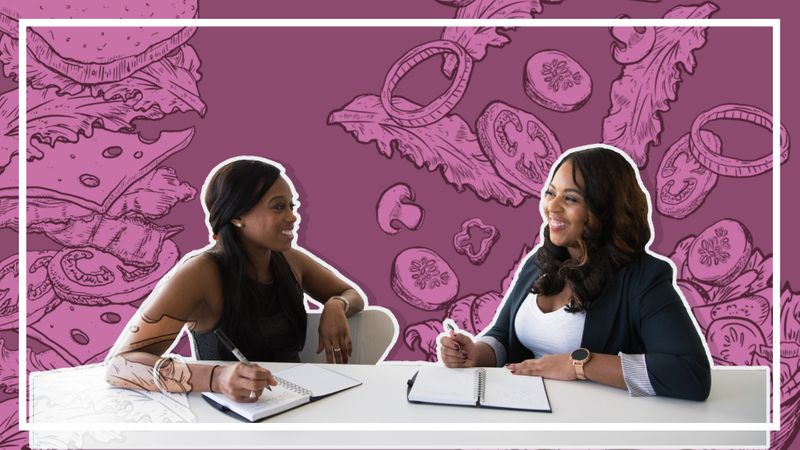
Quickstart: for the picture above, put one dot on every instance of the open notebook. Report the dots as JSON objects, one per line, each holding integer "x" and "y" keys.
{"x": 478, "y": 387}
{"x": 297, "y": 386}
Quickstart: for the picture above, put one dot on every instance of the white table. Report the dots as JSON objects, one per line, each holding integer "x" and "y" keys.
{"x": 75, "y": 407}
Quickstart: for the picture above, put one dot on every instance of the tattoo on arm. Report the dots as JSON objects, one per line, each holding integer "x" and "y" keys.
{"x": 174, "y": 375}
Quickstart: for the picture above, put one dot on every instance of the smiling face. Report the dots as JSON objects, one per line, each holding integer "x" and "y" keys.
{"x": 270, "y": 224}
{"x": 564, "y": 209}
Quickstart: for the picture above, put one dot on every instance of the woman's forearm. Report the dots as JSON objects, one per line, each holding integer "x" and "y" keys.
{"x": 355, "y": 304}
{"x": 605, "y": 369}
{"x": 135, "y": 370}
{"x": 486, "y": 356}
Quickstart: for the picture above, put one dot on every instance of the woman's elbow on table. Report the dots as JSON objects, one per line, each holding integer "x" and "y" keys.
{"x": 685, "y": 377}
{"x": 113, "y": 371}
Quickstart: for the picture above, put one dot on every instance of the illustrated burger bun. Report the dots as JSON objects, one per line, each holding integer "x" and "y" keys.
{"x": 99, "y": 54}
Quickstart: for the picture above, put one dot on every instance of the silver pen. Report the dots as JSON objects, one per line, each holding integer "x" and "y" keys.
{"x": 232, "y": 348}
{"x": 452, "y": 331}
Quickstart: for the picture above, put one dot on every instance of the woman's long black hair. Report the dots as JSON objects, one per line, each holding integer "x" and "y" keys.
{"x": 232, "y": 191}
{"x": 615, "y": 234}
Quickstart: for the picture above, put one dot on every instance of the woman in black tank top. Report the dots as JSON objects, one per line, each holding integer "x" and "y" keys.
{"x": 249, "y": 283}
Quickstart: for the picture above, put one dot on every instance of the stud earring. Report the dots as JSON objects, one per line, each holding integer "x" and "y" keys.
{"x": 237, "y": 225}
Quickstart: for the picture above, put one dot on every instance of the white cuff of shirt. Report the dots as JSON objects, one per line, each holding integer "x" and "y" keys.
{"x": 634, "y": 370}
{"x": 497, "y": 346}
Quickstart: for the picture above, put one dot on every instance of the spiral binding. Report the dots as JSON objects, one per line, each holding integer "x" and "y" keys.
{"x": 294, "y": 387}
{"x": 480, "y": 384}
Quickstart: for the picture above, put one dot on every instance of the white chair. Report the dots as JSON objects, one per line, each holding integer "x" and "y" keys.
{"x": 373, "y": 332}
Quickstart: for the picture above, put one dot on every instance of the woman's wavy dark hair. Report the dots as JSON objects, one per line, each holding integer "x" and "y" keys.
{"x": 232, "y": 191}
{"x": 615, "y": 234}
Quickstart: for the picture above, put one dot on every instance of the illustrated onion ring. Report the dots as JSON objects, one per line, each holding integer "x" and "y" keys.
{"x": 734, "y": 167}
{"x": 440, "y": 106}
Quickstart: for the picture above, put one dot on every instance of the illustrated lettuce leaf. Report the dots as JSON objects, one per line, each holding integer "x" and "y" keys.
{"x": 170, "y": 84}
{"x": 153, "y": 195}
{"x": 9, "y": 374}
{"x": 790, "y": 314}
{"x": 646, "y": 87}
{"x": 423, "y": 336}
{"x": 9, "y": 144}
{"x": 53, "y": 117}
{"x": 447, "y": 145}
{"x": 10, "y": 434}
{"x": 476, "y": 39}
{"x": 762, "y": 265}
{"x": 39, "y": 76}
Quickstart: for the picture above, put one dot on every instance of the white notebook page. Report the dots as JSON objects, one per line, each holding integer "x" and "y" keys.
{"x": 506, "y": 390}
{"x": 269, "y": 403}
{"x": 436, "y": 384}
{"x": 318, "y": 380}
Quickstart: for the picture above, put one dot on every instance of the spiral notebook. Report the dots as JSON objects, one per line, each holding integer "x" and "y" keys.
{"x": 297, "y": 386}
{"x": 478, "y": 387}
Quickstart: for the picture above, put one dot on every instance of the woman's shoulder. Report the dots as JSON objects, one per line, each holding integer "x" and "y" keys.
{"x": 530, "y": 264}
{"x": 189, "y": 288}
{"x": 201, "y": 269}
{"x": 297, "y": 260}
{"x": 201, "y": 261}
{"x": 647, "y": 269}
{"x": 651, "y": 262}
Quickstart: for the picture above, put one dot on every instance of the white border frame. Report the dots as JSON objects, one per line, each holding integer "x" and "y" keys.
{"x": 774, "y": 24}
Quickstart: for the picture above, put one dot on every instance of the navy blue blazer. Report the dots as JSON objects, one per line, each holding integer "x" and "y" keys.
{"x": 641, "y": 313}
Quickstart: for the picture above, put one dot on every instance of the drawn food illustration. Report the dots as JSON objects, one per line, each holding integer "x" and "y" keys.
{"x": 82, "y": 333}
{"x": 41, "y": 298}
{"x": 734, "y": 340}
{"x": 556, "y": 81}
{"x": 475, "y": 240}
{"x": 476, "y": 40}
{"x": 421, "y": 278}
{"x": 422, "y": 336}
{"x": 647, "y": 86}
{"x": 95, "y": 172}
{"x": 519, "y": 145}
{"x": 682, "y": 184}
{"x": 754, "y": 307}
{"x": 447, "y": 146}
{"x": 631, "y": 44}
{"x": 473, "y": 313}
{"x": 720, "y": 252}
{"x": 87, "y": 276}
{"x": 442, "y": 105}
{"x": 96, "y": 55}
{"x": 456, "y": 3}
{"x": 725, "y": 165}
{"x": 396, "y": 207}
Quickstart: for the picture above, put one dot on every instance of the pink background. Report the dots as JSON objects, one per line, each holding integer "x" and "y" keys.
{"x": 269, "y": 93}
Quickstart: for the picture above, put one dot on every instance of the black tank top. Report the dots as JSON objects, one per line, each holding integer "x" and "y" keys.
{"x": 280, "y": 344}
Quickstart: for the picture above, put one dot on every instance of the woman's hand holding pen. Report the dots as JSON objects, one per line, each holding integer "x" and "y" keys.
{"x": 334, "y": 333}
{"x": 238, "y": 380}
{"x": 458, "y": 350}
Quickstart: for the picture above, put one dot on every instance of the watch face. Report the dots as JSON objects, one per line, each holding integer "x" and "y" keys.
{"x": 580, "y": 354}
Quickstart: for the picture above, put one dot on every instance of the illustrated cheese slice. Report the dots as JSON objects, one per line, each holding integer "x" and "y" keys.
{"x": 94, "y": 172}
{"x": 80, "y": 333}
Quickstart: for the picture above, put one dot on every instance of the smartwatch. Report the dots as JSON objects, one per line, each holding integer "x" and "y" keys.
{"x": 579, "y": 358}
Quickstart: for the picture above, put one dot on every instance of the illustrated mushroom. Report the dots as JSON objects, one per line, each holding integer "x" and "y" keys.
{"x": 395, "y": 205}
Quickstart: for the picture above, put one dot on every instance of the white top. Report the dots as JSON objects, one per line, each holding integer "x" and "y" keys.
{"x": 560, "y": 332}
{"x": 554, "y": 333}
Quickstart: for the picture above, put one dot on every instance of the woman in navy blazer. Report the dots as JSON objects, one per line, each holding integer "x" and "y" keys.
{"x": 591, "y": 303}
